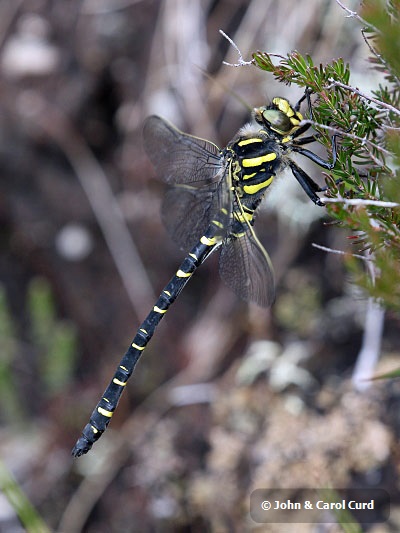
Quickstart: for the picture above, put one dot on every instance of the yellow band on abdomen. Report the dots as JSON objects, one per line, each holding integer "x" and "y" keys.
{"x": 181, "y": 274}
{"x": 207, "y": 241}
{"x": 118, "y": 382}
{"x": 103, "y": 412}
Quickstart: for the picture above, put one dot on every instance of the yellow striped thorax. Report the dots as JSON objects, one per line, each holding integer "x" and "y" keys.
{"x": 255, "y": 159}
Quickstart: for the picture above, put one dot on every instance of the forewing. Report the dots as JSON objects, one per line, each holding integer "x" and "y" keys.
{"x": 246, "y": 268}
{"x": 178, "y": 157}
{"x": 187, "y": 211}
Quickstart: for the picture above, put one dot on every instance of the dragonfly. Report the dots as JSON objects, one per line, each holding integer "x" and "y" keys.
{"x": 210, "y": 205}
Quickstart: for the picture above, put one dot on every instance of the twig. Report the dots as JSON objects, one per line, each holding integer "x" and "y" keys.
{"x": 371, "y": 346}
{"x": 339, "y": 252}
{"x": 341, "y": 133}
{"x": 377, "y": 162}
{"x": 363, "y": 95}
{"x": 360, "y": 202}
{"x": 372, "y": 340}
{"x": 373, "y": 329}
{"x": 242, "y": 62}
{"x": 379, "y": 57}
{"x": 354, "y": 14}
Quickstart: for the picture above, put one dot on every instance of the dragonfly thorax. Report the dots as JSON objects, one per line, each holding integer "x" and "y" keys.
{"x": 255, "y": 159}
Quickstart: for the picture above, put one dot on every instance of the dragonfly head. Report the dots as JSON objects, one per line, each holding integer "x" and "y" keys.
{"x": 278, "y": 117}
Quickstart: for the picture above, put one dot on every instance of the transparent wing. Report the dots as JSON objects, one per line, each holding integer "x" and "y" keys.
{"x": 200, "y": 184}
{"x": 246, "y": 268}
{"x": 178, "y": 157}
{"x": 188, "y": 211}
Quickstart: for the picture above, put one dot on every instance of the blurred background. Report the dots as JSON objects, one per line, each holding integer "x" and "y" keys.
{"x": 228, "y": 397}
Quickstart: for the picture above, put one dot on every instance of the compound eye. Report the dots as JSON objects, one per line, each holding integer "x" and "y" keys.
{"x": 277, "y": 121}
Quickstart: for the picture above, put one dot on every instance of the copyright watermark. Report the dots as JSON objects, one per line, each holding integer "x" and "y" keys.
{"x": 320, "y": 506}
{"x": 265, "y": 505}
